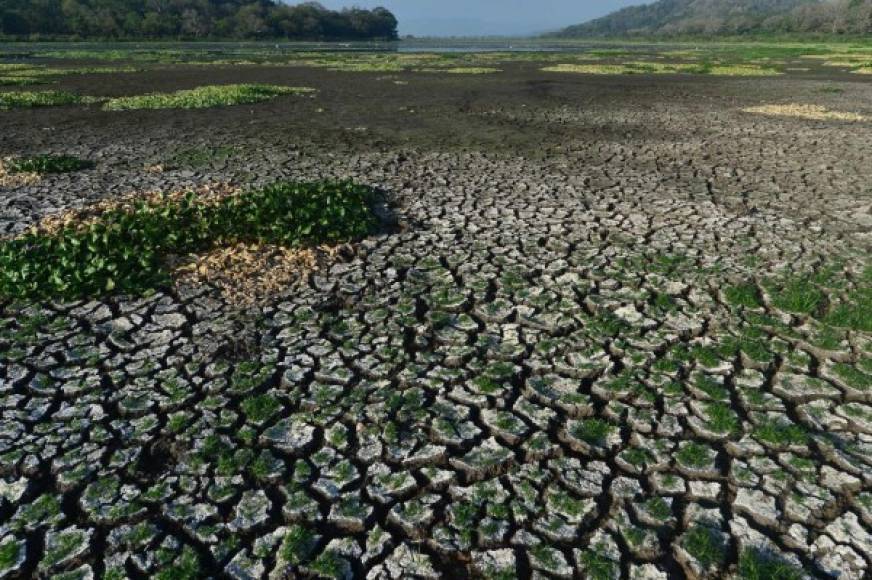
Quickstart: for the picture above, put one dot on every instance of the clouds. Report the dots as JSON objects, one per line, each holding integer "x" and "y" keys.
{"x": 488, "y": 17}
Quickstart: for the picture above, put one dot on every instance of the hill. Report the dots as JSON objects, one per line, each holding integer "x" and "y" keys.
{"x": 191, "y": 19}
{"x": 736, "y": 17}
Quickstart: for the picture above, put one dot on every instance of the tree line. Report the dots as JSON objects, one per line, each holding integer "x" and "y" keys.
{"x": 734, "y": 17}
{"x": 191, "y": 19}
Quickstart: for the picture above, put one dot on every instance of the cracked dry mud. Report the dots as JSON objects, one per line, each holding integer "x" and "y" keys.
{"x": 562, "y": 365}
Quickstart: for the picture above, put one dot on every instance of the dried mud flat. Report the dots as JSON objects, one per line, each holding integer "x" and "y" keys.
{"x": 569, "y": 359}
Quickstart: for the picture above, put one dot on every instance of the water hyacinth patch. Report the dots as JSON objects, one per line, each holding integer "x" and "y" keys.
{"x": 205, "y": 97}
{"x": 127, "y": 250}
{"x": 30, "y": 99}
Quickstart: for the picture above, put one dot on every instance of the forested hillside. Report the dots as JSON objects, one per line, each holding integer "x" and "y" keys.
{"x": 689, "y": 17}
{"x": 191, "y": 19}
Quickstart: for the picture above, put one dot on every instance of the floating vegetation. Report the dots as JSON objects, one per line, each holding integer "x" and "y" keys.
{"x": 205, "y": 97}
{"x": 28, "y": 99}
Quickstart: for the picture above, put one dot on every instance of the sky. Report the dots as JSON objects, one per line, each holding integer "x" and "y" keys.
{"x": 487, "y": 17}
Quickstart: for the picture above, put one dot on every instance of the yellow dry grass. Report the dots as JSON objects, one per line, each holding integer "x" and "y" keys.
{"x": 648, "y": 67}
{"x": 17, "y": 179}
{"x": 740, "y": 70}
{"x": 811, "y": 112}
{"x": 587, "y": 69}
{"x": 468, "y": 70}
{"x": 247, "y": 274}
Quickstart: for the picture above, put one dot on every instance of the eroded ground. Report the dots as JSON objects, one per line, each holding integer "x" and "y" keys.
{"x": 618, "y": 331}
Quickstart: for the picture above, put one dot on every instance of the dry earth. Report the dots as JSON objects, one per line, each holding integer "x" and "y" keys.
{"x": 541, "y": 372}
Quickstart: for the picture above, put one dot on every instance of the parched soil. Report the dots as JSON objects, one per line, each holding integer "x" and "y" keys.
{"x": 580, "y": 353}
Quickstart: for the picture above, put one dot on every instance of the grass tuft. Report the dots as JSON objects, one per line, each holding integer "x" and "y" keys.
{"x": 797, "y": 296}
{"x": 705, "y": 544}
{"x": 743, "y": 295}
{"x": 755, "y": 564}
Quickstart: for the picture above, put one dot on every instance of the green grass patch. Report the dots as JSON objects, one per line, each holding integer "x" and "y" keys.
{"x": 44, "y": 164}
{"x": 15, "y": 81}
{"x": 599, "y": 567}
{"x": 855, "y": 313}
{"x": 593, "y": 431}
{"x": 745, "y": 295}
{"x": 705, "y": 544}
{"x": 31, "y": 99}
{"x": 780, "y": 433}
{"x": 755, "y": 564}
{"x": 721, "y": 418}
{"x": 797, "y": 296}
{"x": 695, "y": 454}
{"x": 204, "y": 97}
{"x": 853, "y": 376}
{"x": 185, "y": 567}
{"x": 658, "y": 508}
{"x": 260, "y": 408}
{"x": 126, "y": 250}
{"x": 9, "y": 554}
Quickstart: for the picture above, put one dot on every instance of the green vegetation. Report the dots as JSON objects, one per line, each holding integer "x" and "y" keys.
{"x": 853, "y": 376}
{"x": 695, "y": 454}
{"x": 30, "y": 99}
{"x": 126, "y": 250}
{"x": 721, "y": 418}
{"x": 260, "y": 408}
{"x": 599, "y": 567}
{"x": 141, "y": 19}
{"x": 204, "y": 97}
{"x": 705, "y": 544}
{"x": 43, "y": 164}
{"x": 855, "y": 312}
{"x": 781, "y": 433}
{"x": 22, "y": 75}
{"x": 185, "y": 567}
{"x": 658, "y": 508}
{"x": 593, "y": 431}
{"x": 297, "y": 545}
{"x": 329, "y": 565}
{"x": 796, "y": 295}
{"x": 13, "y": 81}
{"x": 743, "y": 17}
{"x": 9, "y": 554}
{"x": 745, "y": 295}
{"x": 755, "y": 564}
{"x": 711, "y": 387}
{"x": 66, "y": 543}
{"x": 637, "y": 456}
